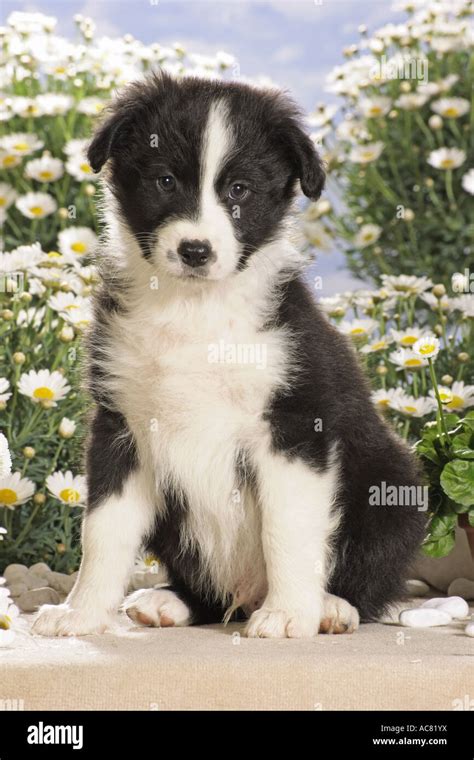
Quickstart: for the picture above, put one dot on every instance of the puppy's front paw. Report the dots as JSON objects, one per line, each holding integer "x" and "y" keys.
{"x": 338, "y": 616}
{"x": 159, "y": 608}
{"x": 269, "y": 623}
{"x": 64, "y": 620}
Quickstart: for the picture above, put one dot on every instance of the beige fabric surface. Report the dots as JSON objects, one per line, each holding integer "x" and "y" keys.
{"x": 380, "y": 667}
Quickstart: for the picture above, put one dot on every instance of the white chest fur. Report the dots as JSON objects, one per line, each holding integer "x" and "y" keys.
{"x": 193, "y": 380}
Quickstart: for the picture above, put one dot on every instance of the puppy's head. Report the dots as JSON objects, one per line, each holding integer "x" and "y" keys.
{"x": 204, "y": 172}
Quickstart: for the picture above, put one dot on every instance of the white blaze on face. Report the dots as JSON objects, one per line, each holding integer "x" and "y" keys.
{"x": 213, "y": 224}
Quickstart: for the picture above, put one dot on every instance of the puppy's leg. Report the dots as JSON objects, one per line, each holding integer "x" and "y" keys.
{"x": 297, "y": 521}
{"x": 112, "y": 534}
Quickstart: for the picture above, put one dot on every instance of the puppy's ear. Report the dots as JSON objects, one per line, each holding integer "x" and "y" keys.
{"x": 308, "y": 164}
{"x": 107, "y": 140}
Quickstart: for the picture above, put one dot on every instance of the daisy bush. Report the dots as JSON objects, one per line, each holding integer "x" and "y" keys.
{"x": 400, "y": 147}
{"x": 399, "y": 151}
{"x": 51, "y": 90}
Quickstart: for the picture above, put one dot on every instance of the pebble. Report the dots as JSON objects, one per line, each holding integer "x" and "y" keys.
{"x": 33, "y": 580}
{"x": 417, "y": 588}
{"x": 424, "y": 617}
{"x": 14, "y": 573}
{"x": 17, "y": 588}
{"x": 469, "y": 629}
{"x": 455, "y": 606}
{"x": 41, "y": 568}
{"x": 30, "y": 600}
{"x": 462, "y": 587}
{"x": 61, "y": 583}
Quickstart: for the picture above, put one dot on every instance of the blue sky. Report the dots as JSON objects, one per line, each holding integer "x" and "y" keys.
{"x": 295, "y": 42}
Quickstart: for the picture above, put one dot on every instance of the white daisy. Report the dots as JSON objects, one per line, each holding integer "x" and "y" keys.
{"x": 68, "y": 488}
{"x": 9, "y": 614}
{"x": 317, "y": 235}
{"x": 79, "y": 167}
{"x": 451, "y": 108}
{"x": 458, "y": 397}
{"x": 446, "y": 158}
{"x": 9, "y": 160}
{"x": 379, "y": 344}
{"x": 358, "y": 328}
{"x": 44, "y": 169}
{"x": 367, "y": 235}
{"x": 80, "y": 317}
{"x": 25, "y": 107}
{"x": 76, "y": 146}
{"x": 467, "y": 182}
{"x": 436, "y": 303}
{"x": 75, "y": 242}
{"x": 21, "y": 144}
{"x": 54, "y": 103}
{"x": 8, "y": 195}
{"x": 375, "y": 107}
{"x": 44, "y": 386}
{"x": 384, "y": 398}
{"x": 36, "y": 205}
{"x": 413, "y": 407}
{"x": 364, "y": 154}
{"x": 408, "y": 337}
{"x": 322, "y": 115}
{"x": 5, "y": 456}
{"x": 427, "y": 347}
{"x": 334, "y": 306}
{"x": 64, "y": 302}
{"x": 91, "y": 106}
{"x": 15, "y": 490}
{"x": 405, "y": 285}
{"x": 404, "y": 358}
{"x": 411, "y": 101}
{"x": 463, "y": 303}
{"x": 4, "y": 393}
{"x": 3, "y": 533}
{"x": 22, "y": 258}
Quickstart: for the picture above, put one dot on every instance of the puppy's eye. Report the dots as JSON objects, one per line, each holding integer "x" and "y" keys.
{"x": 238, "y": 191}
{"x": 166, "y": 183}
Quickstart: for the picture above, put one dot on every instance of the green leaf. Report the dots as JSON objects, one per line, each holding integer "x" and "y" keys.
{"x": 457, "y": 480}
{"x": 462, "y": 446}
{"x": 441, "y": 547}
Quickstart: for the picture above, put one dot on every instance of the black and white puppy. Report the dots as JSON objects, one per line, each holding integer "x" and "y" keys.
{"x": 209, "y": 365}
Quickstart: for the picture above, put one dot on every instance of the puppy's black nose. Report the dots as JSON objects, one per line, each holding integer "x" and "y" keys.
{"x": 194, "y": 253}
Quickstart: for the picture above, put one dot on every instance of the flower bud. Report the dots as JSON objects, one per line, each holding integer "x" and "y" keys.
{"x": 29, "y": 452}
{"x": 19, "y": 357}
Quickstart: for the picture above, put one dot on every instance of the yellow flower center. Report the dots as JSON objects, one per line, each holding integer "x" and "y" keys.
{"x": 408, "y": 340}
{"x": 60, "y": 70}
{"x": 79, "y": 247}
{"x": 36, "y": 210}
{"x": 5, "y": 622}
{"x": 427, "y": 349}
{"x": 46, "y": 175}
{"x": 85, "y": 168}
{"x": 367, "y": 237}
{"x": 71, "y": 306}
{"x": 9, "y": 160}
{"x": 367, "y": 154}
{"x": 43, "y": 393}
{"x": 410, "y": 409}
{"x": 21, "y": 146}
{"x": 8, "y": 496}
{"x": 413, "y": 363}
{"x": 3, "y": 201}
{"x": 384, "y": 402}
{"x": 53, "y": 255}
{"x": 456, "y": 403}
{"x": 447, "y": 163}
{"x": 375, "y": 110}
{"x": 70, "y": 495}
{"x": 450, "y": 112}
{"x": 378, "y": 346}
{"x": 357, "y": 331}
